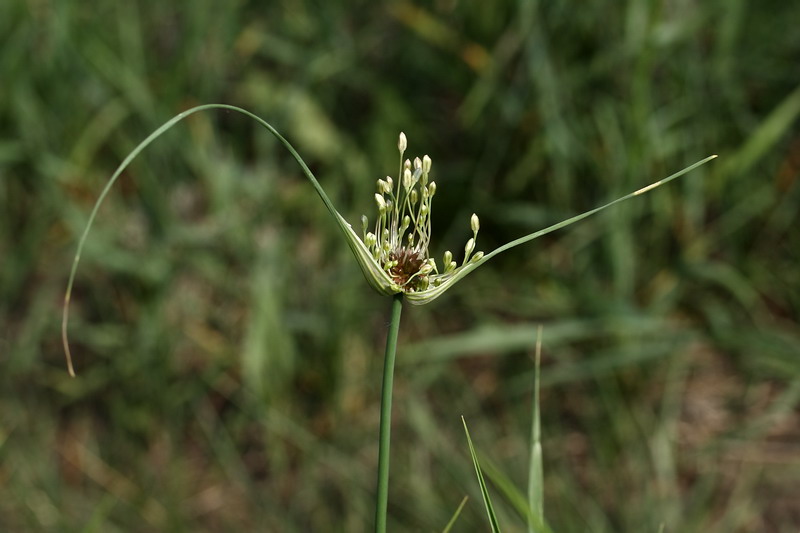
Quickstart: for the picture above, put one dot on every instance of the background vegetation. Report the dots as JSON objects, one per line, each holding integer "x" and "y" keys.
{"x": 228, "y": 348}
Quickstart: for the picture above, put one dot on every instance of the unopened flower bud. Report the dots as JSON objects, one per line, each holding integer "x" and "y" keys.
{"x": 432, "y": 189}
{"x": 407, "y": 179}
{"x": 469, "y": 247}
{"x": 413, "y": 197}
{"x": 381, "y": 203}
{"x": 426, "y": 164}
{"x": 407, "y": 164}
{"x": 477, "y": 257}
{"x": 417, "y": 162}
{"x": 425, "y": 269}
{"x": 402, "y": 142}
{"x": 364, "y": 223}
{"x": 474, "y": 223}
{"x": 406, "y": 223}
{"x": 370, "y": 240}
{"x": 448, "y": 257}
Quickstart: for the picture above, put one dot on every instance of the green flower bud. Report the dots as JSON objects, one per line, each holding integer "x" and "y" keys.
{"x": 468, "y": 248}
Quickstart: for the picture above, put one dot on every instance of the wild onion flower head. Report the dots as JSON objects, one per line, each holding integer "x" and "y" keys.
{"x": 397, "y": 244}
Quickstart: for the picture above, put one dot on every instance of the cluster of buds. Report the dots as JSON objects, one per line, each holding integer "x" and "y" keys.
{"x": 399, "y": 241}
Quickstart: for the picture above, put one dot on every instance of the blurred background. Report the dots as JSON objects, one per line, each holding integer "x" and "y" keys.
{"x": 228, "y": 350}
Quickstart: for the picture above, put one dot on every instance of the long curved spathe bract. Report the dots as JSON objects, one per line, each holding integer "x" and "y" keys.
{"x": 428, "y": 295}
{"x": 375, "y": 276}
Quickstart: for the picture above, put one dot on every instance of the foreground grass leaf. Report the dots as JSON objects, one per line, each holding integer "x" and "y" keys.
{"x": 536, "y": 473}
{"x": 487, "y": 501}
{"x": 452, "y": 521}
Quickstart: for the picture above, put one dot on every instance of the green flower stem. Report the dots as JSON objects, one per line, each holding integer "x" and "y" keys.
{"x": 382, "y": 501}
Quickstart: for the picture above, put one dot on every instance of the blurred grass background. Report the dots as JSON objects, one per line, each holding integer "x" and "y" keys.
{"x": 228, "y": 349}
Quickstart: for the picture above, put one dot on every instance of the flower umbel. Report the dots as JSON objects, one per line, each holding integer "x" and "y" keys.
{"x": 399, "y": 240}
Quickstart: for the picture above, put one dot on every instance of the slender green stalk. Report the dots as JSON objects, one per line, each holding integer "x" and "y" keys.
{"x": 386, "y": 416}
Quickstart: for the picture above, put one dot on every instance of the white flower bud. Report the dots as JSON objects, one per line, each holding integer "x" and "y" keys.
{"x": 381, "y": 202}
{"x": 474, "y": 223}
{"x": 413, "y": 197}
{"x": 407, "y": 179}
{"x": 417, "y": 162}
{"x": 432, "y": 189}
{"x": 381, "y": 186}
{"x": 425, "y": 269}
{"x": 407, "y": 164}
{"x": 402, "y": 142}
{"x": 390, "y": 183}
{"x": 448, "y": 257}
{"x": 370, "y": 240}
{"x": 426, "y": 164}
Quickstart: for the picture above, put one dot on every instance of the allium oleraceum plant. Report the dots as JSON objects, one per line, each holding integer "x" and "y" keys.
{"x": 396, "y": 259}
{"x": 393, "y": 255}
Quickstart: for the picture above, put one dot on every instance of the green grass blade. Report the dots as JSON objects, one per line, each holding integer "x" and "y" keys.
{"x": 484, "y": 490}
{"x": 455, "y": 515}
{"x": 536, "y": 473}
